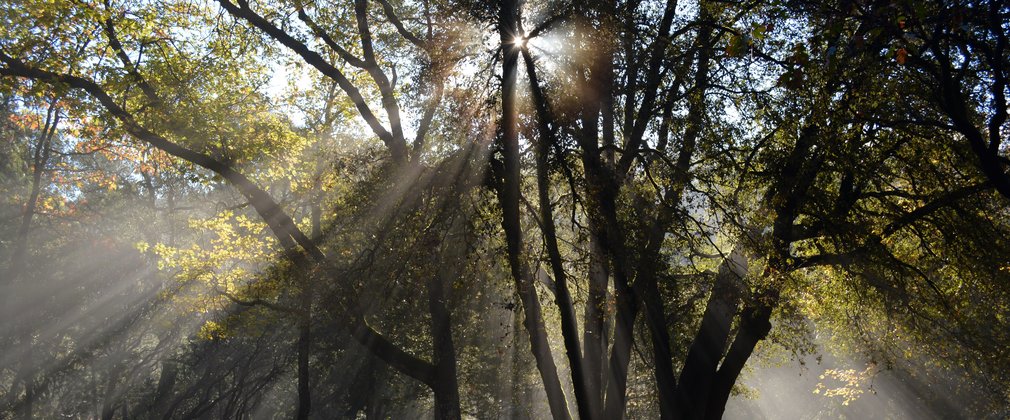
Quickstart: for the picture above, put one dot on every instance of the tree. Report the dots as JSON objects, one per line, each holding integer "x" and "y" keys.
{"x": 699, "y": 181}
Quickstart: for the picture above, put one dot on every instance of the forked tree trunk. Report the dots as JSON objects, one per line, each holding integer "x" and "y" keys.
{"x": 509, "y": 196}
{"x": 711, "y": 339}
{"x": 588, "y": 404}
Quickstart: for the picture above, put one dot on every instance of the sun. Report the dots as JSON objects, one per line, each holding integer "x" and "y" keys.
{"x": 520, "y": 41}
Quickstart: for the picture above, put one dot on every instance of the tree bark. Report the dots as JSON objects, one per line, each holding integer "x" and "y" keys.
{"x": 755, "y": 323}
{"x": 166, "y": 383}
{"x": 594, "y": 325}
{"x": 787, "y": 196}
{"x": 396, "y": 144}
{"x": 655, "y": 317}
{"x": 446, "y": 387}
{"x": 509, "y": 196}
{"x": 599, "y": 102}
{"x": 710, "y": 341}
{"x": 588, "y": 404}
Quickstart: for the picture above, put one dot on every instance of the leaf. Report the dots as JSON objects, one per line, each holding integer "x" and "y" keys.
{"x": 737, "y": 46}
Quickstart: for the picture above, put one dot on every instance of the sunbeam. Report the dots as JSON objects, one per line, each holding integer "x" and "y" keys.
{"x": 512, "y": 209}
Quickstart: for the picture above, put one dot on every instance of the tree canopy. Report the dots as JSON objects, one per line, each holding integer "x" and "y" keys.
{"x": 519, "y": 208}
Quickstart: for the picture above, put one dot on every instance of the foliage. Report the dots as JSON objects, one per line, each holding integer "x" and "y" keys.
{"x": 397, "y": 208}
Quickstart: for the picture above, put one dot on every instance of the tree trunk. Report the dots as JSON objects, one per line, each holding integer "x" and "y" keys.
{"x": 304, "y": 345}
{"x": 166, "y": 382}
{"x": 755, "y": 323}
{"x": 20, "y": 322}
{"x": 604, "y": 189}
{"x": 788, "y": 195}
{"x": 304, "y": 349}
{"x": 620, "y": 354}
{"x": 655, "y": 317}
{"x": 446, "y": 387}
{"x": 599, "y": 102}
{"x": 595, "y": 331}
{"x": 710, "y": 342}
{"x": 588, "y": 404}
{"x": 509, "y": 31}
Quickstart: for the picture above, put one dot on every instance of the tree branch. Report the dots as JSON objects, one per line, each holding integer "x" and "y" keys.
{"x": 279, "y": 222}
{"x": 387, "y": 8}
{"x": 429, "y": 115}
{"x": 271, "y": 212}
{"x": 131, "y": 68}
{"x": 327, "y": 39}
{"x": 396, "y": 145}
{"x": 387, "y": 351}
{"x": 372, "y": 67}
{"x": 259, "y": 302}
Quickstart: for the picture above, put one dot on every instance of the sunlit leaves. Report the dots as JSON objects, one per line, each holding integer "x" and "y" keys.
{"x": 236, "y": 258}
{"x": 850, "y": 383}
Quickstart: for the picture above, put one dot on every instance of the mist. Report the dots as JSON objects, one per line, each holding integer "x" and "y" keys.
{"x": 517, "y": 209}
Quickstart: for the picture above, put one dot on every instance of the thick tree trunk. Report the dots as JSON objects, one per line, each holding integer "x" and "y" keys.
{"x": 600, "y": 102}
{"x": 166, "y": 383}
{"x": 655, "y": 318}
{"x": 628, "y": 306}
{"x": 604, "y": 190}
{"x": 539, "y": 345}
{"x": 304, "y": 345}
{"x": 603, "y": 187}
{"x": 755, "y": 323}
{"x": 788, "y": 195}
{"x": 714, "y": 329}
{"x": 446, "y": 387}
{"x": 604, "y": 183}
{"x": 509, "y": 194}
{"x": 599, "y": 271}
{"x": 588, "y": 404}
{"x": 363, "y": 391}
{"x": 603, "y": 196}
{"x": 594, "y": 326}
{"x": 377, "y": 397}
{"x": 710, "y": 342}
{"x": 620, "y": 354}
